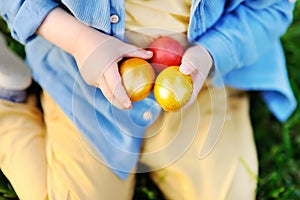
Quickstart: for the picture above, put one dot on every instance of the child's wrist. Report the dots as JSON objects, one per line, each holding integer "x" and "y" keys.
{"x": 87, "y": 40}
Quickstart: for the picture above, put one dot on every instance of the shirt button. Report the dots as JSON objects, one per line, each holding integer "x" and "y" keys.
{"x": 114, "y": 19}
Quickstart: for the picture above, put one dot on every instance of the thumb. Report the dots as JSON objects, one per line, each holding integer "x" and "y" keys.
{"x": 186, "y": 69}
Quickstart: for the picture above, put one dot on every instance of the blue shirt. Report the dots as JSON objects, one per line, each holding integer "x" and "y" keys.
{"x": 243, "y": 37}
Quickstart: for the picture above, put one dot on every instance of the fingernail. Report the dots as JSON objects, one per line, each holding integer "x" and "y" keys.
{"x": 184, "y": 70}
{"x": 128, "y": 104}
{"x": 149, "y": 52}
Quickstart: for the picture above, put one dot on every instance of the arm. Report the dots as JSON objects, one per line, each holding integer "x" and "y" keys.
{"x": 25, "y": 24}
{"x": 20, "y": 20}
{"x": 66, "y": 32}
{"x": 246, "y": 32}
{"x": 237, "y": 39}
{"x": 96, "y": 53}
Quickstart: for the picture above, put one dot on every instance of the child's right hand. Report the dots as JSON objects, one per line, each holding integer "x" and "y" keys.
{"x": 97, "y": 54}
{"x": 100, "y": 68}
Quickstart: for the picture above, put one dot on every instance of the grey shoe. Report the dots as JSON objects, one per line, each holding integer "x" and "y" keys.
{"x": 15, "y": 76}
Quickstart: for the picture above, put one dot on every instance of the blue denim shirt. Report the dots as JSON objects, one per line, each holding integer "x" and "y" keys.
{"x": 243, "y": 37}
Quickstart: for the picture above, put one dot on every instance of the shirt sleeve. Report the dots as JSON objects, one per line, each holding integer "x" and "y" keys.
{"x": 244, "y": 33}
{"x": 25, "y": 16}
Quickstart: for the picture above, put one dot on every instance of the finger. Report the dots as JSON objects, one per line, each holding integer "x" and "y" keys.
{"x": 139, "y": 53}
{"x": 108, "y": 94}
{"x": 196, "y": 58}
{"x": 114, "y": 82}
{"x": 198, "y": 82}
{"x": 187, "y": 67}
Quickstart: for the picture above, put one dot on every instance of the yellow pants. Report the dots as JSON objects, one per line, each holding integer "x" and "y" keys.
{"x": 44, "y": 157}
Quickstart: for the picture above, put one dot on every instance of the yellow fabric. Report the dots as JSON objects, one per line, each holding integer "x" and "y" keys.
{"x": 228, "y": 171}
{"x": 22, "y": 149}
{"x": 52, "y": 163}
{"x": 167, "y": 15}
{"x": 73, "y": 173}
{"x": 203, "y": 167}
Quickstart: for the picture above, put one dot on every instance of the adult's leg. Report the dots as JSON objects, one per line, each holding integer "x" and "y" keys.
{"x": 22, "y": 148}
{"x": 73, "y": 173}
{"x": 22, "y": 132}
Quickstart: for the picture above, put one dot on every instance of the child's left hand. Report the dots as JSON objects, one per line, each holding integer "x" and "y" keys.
{"x": 196, "y": 62}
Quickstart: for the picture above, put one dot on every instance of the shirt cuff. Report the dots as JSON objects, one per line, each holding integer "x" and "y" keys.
{"x": 281, "y": 105}
{"x": 29, "y": 18}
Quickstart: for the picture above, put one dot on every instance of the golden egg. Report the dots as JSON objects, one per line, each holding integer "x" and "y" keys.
{"x": 137, "y": 77}
{"x": 172, "y": 89}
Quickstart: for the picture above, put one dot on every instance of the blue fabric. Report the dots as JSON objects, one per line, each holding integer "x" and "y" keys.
{"x": 243, "y": 37}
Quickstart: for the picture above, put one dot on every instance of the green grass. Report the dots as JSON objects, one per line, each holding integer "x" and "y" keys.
{"x": 278, "y": 144}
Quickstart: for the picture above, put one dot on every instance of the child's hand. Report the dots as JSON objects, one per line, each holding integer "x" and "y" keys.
{"x": 97, "y": 54}
{"x": 100, "y": 69}
{"x": 196, "y": 62}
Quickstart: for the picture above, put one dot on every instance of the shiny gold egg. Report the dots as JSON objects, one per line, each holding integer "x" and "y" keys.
{"x": 137, "y": 77}
{"x": 172, "y": 89}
